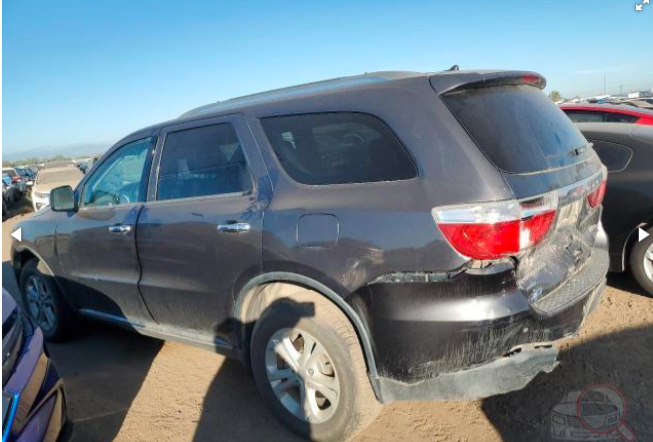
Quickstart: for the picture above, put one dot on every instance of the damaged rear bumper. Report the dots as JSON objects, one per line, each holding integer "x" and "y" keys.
{"x": 470, "y": 337}
{"x": 505, "y": 374}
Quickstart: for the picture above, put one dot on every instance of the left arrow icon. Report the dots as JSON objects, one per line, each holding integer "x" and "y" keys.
{"x": 17, "y": 234}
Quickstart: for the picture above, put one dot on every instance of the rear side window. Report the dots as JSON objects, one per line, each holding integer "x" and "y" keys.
{"x": 585, "y": 116}
{"x": 518, "y": 127}
{"x": 620, "y": 118}
{"x": 615, "y": 156}
{"x": 338, "y": 148}
{"x": 202, "y": 161}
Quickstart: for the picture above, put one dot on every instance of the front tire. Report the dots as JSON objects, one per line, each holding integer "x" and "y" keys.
{"x": 641, "y": 262}
{"x": 309, "y": 367}
{"x": 44, "y": 303}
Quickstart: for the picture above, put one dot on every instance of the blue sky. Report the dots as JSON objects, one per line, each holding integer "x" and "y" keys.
{"x": 93, "y": 71}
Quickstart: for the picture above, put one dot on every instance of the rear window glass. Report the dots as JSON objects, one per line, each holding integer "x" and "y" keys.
{"x": 338, "y": 148}
{"x": 518, "y": 127}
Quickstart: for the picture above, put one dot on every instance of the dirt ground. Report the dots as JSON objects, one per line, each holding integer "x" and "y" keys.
{"x": 125, "y": 387}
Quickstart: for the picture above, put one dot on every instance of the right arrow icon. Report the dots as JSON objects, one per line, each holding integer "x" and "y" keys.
{"x": 642, "y": 234}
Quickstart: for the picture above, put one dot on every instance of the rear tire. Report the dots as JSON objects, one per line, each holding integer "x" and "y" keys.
{"x": 337, "y": 395}
{"x": 44, "y": 303}
{"x": 641, "y": 263}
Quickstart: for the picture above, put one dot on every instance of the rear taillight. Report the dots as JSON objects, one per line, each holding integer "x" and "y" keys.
{"x": 596, "y": 197}
{"x": 15, "y": 179}
{"x": 497, "y": 229}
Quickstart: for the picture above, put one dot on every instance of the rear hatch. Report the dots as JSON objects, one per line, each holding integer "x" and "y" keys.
{"x": 538, "y": 150}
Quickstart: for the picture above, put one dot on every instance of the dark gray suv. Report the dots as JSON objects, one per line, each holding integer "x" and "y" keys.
{"x": 384, "y": 237}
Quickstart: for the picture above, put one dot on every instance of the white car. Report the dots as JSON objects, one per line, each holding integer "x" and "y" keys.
{"x": 48, "y": 179}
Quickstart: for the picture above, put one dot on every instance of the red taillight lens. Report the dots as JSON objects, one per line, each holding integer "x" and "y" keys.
{"x": 596, "y": 197}
{"x": 483, "y": 241}
{"x": 15, "y": 179}
{"x": 498, "y": 229}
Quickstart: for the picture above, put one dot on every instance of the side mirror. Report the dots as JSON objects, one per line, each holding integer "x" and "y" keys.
{"x": 62, "y": 199}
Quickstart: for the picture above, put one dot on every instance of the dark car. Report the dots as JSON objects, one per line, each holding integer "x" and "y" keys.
{"x": 607, "y": 113}
{"x": 33, "y": 399}
{"x": 627, "y": 151}
{"x": 391, "y": 236}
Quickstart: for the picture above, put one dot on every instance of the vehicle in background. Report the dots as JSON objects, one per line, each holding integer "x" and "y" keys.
{"x": 638, "y": 103}
{"x": 15, "y": 178}
{"x": 607, "y": 113}
{"x": 5, "y": 200}
{"x": 49, "y": 178}
{"x": 391, "y": 236}
{"x": 26, "y": 174}
{"x": 10, "y": 191}
{"x": 627, "y": 151}
{"x": 84, "y": 166}
{"x": 33, "y": 397}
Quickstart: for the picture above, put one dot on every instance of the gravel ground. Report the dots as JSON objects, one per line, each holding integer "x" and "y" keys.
{"x": 125, "y": 387}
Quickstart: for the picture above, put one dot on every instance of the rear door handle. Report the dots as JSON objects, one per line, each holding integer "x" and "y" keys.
{"x": 120, "y": 228}
{"x": 234, "y": 227}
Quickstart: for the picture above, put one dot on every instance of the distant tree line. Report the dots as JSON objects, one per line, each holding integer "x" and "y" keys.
{"x": 36, "y": 160}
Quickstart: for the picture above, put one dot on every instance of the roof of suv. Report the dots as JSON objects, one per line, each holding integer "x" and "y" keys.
{"x": 448, "y": 80}
{"x": 302, "y": 90}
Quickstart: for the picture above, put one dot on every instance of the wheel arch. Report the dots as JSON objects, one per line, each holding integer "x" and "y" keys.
{"x": 631, "y": 240}
{"x": 22, "y": 255}
{"x": 255, "y": 286}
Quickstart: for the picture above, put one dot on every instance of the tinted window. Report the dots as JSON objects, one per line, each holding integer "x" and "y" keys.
{"x": 518, "y": 127}
{"x": 120, "y": 178}
{"x": 585, "y": 117}
{"x": 620, "y": 118}
{"x": 338, "y": 148}
{"x": 202, "y": 161}
{"x": 615, "y": 156}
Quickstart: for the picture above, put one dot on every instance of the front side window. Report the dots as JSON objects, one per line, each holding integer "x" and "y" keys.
{"x": 202, "y": 161}
{"x": 338, "y": 148}
{"x": 120, "y": 179}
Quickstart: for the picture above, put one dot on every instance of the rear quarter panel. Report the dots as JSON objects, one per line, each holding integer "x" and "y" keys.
{"x": 384, "y": 226}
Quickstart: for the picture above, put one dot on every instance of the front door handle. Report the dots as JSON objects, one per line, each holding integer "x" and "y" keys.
{"x": 120, "y": 228}
{"x": 234, "y": 227}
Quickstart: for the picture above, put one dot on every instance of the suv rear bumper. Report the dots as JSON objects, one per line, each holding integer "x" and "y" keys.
{"x": 502, "y": 375}
{"x": 472, "y": 336}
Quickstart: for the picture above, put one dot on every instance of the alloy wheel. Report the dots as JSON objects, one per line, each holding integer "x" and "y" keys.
{"x": 302, "y": 375}
{"x": 648, "y": 262}
{"x": 40, "y": 302}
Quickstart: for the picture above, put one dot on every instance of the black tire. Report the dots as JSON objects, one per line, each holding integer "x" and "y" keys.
{"x": 637, "y": 266}
{"x": 309, "y": 312}
{"x": 64, "y": 317}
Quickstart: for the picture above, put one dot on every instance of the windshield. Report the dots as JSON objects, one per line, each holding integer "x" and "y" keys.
{"x": 518, "y": 127}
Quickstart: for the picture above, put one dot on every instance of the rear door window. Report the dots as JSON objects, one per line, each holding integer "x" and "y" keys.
{"x": 202, "y": 161}
{"x": 338, "y": 148}
{"x": 517, "y": 127}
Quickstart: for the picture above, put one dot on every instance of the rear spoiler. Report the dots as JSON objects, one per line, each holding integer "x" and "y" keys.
{"x": 448, "y": 82}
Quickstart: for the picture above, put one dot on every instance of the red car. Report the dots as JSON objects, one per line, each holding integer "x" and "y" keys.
{"x": 611, "y": 113}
